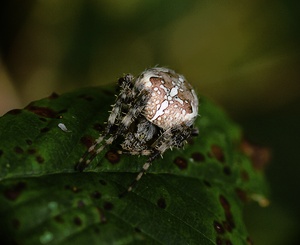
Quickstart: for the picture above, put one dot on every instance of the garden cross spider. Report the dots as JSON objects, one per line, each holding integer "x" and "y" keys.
{"x": 152, "y": 114}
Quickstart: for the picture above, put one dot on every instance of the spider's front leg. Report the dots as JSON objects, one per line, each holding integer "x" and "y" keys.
{"x": 126, "y": 96}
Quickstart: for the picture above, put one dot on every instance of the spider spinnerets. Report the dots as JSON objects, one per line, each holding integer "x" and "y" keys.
{"x": 152, "y": 113}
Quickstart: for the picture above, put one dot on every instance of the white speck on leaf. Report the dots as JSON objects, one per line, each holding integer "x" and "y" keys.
{"x": 63, "y": 127}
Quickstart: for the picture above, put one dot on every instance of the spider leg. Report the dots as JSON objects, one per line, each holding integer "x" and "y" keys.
{"x": 134, "y": 112}
{"x": 124, "y": 97}
{"x": 175, "y": 136}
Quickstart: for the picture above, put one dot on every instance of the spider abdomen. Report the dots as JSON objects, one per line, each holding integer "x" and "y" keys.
{"x": 172, "y": 100}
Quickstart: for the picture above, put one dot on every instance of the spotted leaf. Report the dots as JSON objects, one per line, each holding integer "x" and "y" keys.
{"x": 190, "y": 196}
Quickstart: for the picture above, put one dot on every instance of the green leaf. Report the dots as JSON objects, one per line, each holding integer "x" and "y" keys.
{"x": 190, "y": 196}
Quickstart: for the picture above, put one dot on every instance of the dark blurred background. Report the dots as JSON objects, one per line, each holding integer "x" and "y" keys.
{"x": 242, "y": 54}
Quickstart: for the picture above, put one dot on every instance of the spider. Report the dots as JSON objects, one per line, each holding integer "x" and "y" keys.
{"x": 152, "y": 113}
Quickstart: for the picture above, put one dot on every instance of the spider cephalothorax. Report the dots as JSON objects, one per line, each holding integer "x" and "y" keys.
{"x": 152, "y": 113}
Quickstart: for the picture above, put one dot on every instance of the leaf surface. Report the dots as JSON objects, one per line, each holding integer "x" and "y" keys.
{"x": 193, "y": 195}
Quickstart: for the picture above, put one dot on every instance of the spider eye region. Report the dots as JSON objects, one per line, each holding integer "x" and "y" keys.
{"x": 172, "y": 99}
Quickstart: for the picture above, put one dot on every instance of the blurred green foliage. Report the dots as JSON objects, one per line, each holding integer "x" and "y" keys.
{"x": 243, "y": 54}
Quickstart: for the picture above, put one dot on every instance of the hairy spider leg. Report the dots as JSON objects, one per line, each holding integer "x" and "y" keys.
{"x": 125, "y": 95}
{"x": 169, "y": 137}
{"x": 134, "y": 112}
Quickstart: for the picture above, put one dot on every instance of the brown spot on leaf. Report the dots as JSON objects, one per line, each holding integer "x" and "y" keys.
{"x": 96, "y": 195}
{"x": 242, "y": 195}
{"x": 225, "y": 204}
{"x": 230, "y": 220}
{"x": 41, "y": 111}
{"x": 108, "y": 206}
{"x": 98, "y": 127}
{"x": 39, "y": 159}
{"x": 45, "y": 130}
{"x": 112, "y": 156}
{"x": 18, "y": 150}
{"x": 198, "y": 157}
{"x": 217, "y": 152}
{"x": 218, "y": 227}
{"x": 87, "y": 141}
{"x": 31, "y": 151}
{"x": 219, "y": 241}
{"x": 244, "y": 175}
{"x": 180, "y": 162}
{"x": 77, "y": 221}
{"x": 260, "y": 156}
{"x": 161, "y": 203}
{"x": 59, "y": 219}
{"x": 15, "y": 191}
